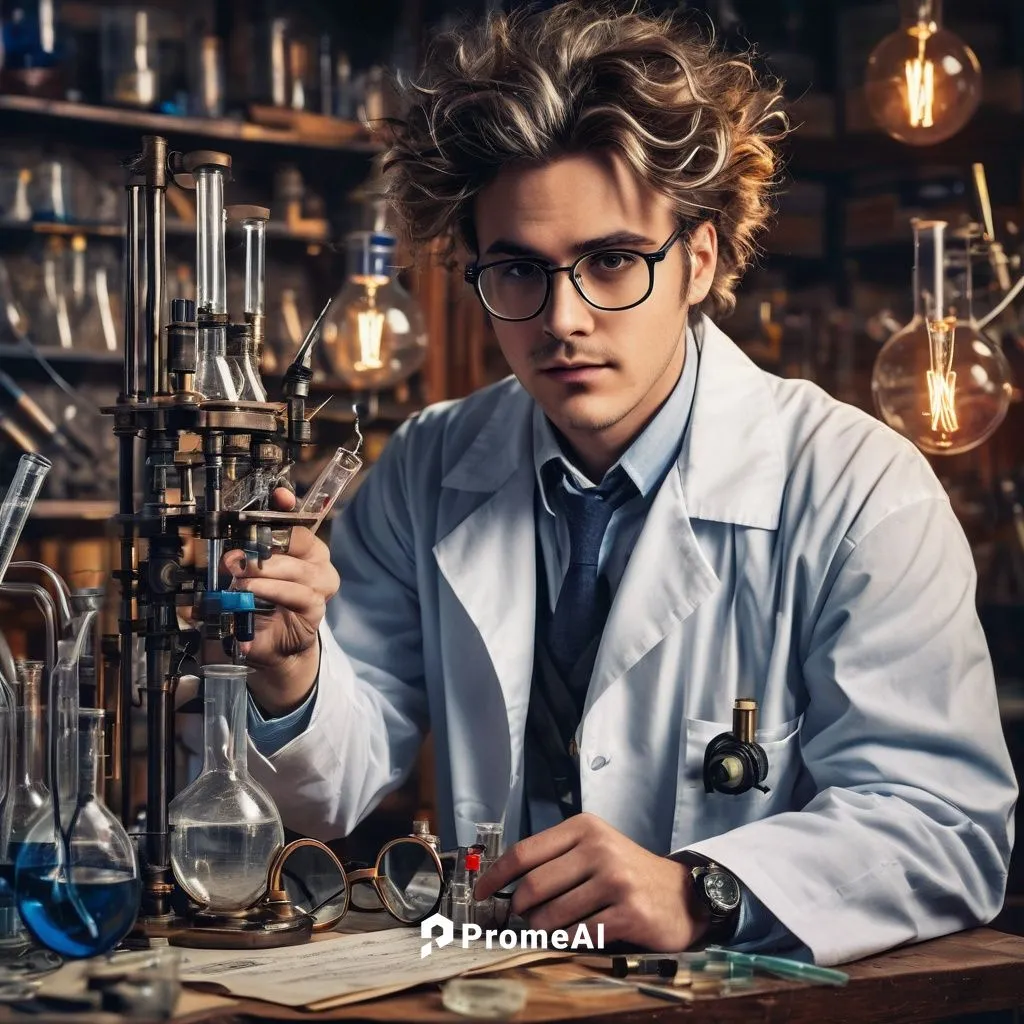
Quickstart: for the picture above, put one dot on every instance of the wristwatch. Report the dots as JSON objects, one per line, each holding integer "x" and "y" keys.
{"x": 717, "y": 890}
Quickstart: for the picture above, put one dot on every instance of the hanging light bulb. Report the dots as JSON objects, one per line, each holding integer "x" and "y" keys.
{"x": 939, "y": 381}
{"x": 923, "y": 83}
{"x": 374, "y": 336}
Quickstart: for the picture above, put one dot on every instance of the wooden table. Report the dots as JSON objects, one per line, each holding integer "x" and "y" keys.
{"x": 971, "y": 972}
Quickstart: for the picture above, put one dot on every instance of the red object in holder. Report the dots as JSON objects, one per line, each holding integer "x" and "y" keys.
{"x": 472, "y": 861}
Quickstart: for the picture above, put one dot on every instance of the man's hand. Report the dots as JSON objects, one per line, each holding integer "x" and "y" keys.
{"x": 285, "y": 652}
{"x": 583, "y": 870}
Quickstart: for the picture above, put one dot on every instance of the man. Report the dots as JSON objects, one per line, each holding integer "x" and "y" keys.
{"x": 570, "y": 577}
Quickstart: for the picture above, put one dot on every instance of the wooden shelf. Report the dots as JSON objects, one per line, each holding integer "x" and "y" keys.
{"x": 72, "y": 509}
{"x": 275, "y": 231}
{"x": 350, "y": 136}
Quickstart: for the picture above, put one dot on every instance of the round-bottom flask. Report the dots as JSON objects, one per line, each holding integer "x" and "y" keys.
{"x": 79, "y": 896}
{"x": 225, "y": 828}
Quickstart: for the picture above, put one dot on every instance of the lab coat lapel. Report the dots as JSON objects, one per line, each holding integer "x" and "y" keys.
{"x": 729, "y": 470}
{"x": 489, "y": 561}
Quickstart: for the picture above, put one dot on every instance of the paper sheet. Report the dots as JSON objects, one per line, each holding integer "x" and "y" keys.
{"x": 343, "y": 968}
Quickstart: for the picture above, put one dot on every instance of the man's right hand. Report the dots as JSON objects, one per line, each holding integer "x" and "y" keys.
{"x": 285, "y": 655}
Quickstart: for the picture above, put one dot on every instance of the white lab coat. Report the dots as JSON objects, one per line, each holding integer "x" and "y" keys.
{"x": 799, "y": 552}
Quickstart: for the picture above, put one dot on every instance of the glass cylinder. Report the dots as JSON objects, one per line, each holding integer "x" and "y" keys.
{"x": 939, "y": 381}
{"x": 211, "y": 272}
{"x": 129, "y": 40}
{"x": 78, "y": 893}
{"x": 225, "y": 829}
{"x": 374, "y": 335}
{"x": 18, "y": 502}
{"x": 255, "y": 264}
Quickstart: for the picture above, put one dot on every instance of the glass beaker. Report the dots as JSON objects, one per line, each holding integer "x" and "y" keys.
{"x": 79, "y": 896}
{"x": 225, "y": 828}
{"x": 29, "y": 793}
{"x": 244, "y": 366}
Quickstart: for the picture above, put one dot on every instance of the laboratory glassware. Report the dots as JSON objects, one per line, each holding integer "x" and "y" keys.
{"x": 214, "y": 379}
{"x": 374, "y": 335}
{"x": 241, "y": 353}
{"x": 939, "y": 381}
{"x": 922, "y": 83}
{"x": 79, "y": 893}
{"x": 21, "y": 495}
{"x": 29, "y": 792}
{"x": 225, "y": 828}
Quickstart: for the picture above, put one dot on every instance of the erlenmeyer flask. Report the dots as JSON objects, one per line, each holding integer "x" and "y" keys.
{"x": 80, "y": 899}
{"x": 215, "y": 380}
{"x": 225, "y": 829}
{"x": 29, "y": 794}
{"x": 242, "y": 355}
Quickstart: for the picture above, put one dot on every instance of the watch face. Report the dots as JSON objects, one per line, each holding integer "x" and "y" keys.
{"x": 722, "y": 890}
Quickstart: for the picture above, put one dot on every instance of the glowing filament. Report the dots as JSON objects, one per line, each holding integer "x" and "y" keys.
{"x": 941, "y": 378}
{"x": 920, "y": 73}
{"x": 370, "y": 326}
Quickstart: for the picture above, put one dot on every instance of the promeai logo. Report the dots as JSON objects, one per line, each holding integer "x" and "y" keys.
{"x": 443, "y": 926}
{"x": 440, "y": 930}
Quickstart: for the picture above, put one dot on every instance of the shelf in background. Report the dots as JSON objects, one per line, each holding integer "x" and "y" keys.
{"x": 276, "y": 231}
{"x": 348, "y": 136}
{"x": 59, "y": 356}
{"x": 74, "y": 509}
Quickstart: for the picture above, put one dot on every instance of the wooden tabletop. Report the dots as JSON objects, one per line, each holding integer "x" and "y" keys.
{"x": 971, "y": 972}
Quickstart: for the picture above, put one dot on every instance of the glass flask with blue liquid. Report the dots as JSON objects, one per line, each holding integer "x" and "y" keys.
{"x": 78, "y": 887}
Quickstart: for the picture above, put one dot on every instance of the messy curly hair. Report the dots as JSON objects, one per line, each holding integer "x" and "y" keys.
{"x": 692, "y": 122}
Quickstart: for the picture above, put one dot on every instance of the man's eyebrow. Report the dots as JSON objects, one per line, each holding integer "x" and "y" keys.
{"x": 614, "y": 240}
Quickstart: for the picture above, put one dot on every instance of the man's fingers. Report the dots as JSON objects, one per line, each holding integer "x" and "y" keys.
{"x": 283, "y": 499}
{"x": 526, "y": 855}
{"x": 284, "y": 567}
{"x": 293, "y": 597}
{"x": 578, "y": 904}
{"x": 305, "y": 544}
{"x": 550, "y": 881}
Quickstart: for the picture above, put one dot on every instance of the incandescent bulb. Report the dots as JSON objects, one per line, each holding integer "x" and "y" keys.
{"x": 374, "y": 335}
{"x": 923, "y": 83}
{"x": 939, "y": 381}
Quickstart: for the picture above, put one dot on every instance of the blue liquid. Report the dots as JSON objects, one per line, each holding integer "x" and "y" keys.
{"x": 109, "y": 897}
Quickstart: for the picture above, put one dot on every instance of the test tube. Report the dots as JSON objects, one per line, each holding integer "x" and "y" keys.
{"x": 21, "y": 495}
{"x": 254, "y": 225}
{"x": 211, "y": 273}
{"x": 330, "y": 484}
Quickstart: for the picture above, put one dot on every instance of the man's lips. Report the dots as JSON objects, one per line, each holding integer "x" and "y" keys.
{"x": 573, "y": 372}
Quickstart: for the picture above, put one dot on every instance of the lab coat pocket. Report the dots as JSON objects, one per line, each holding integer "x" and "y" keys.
{"x": 701, "y": 815}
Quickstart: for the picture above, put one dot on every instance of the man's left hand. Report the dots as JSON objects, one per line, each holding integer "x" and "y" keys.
{"x": 584, "y": 871}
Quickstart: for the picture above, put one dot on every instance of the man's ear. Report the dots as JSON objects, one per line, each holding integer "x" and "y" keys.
{"x": 703, "y": 249}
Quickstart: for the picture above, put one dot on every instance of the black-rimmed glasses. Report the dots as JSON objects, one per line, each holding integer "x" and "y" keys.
{"x": 609, "y": 279}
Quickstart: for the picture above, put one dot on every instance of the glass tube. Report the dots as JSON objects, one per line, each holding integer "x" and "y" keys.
{"x": 255, "y": 229}
{"x": 330, "y": 484}
{"x": 20, "y": 497}
{"x": 211, "y": 272}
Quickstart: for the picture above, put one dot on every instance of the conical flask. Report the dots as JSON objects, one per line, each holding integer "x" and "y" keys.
{"x": 79, "y": 895}
{"x": 225, "y": 828}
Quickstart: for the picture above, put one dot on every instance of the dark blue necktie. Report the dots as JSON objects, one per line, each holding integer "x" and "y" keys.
{"x": 583, "y": 601}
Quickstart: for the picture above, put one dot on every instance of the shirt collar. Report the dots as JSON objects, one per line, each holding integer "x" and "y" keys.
{"x": 648, "y": 458}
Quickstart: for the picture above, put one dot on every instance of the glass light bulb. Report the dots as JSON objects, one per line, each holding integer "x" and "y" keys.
{"x": 939, "y": 381}
{"x": 923, "y": 83}
{"x": 943, "y": 411}
{"x": 374, "y": 336}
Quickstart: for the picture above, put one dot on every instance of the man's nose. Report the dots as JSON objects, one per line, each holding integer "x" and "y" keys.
{"x": 567, "y": 312}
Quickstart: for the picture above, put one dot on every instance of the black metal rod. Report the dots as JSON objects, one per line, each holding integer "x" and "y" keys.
{"x": 131, "y": 292}
{"x": 126, "y": 490}
{"x": 154, "y": 155}
{"x": 157, "y": 706}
